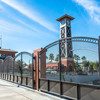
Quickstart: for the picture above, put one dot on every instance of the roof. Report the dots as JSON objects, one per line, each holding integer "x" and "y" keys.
{"x": 8, "y": 50}
{"x": 65, "y": 16}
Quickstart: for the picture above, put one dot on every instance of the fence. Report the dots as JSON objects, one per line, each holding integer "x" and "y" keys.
{"x": 71, "y": 68}
{"x": 19, "y": 69}
{"x": 67, "y": 68}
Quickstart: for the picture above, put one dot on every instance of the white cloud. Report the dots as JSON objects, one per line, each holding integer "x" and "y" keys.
{"x": 28, "y": 26}
{"x": 11, "y": 26}
{"x": 92, "y": 7}
{"x": 13, "y": 30}
{"x": 30, "y": 13}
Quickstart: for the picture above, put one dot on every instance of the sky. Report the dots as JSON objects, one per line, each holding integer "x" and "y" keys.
{"x": 26, "y": 25}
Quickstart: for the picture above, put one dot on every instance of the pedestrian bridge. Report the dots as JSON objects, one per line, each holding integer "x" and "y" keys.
{"x": 11, "y": 91}
{"x": 74, "y": 76}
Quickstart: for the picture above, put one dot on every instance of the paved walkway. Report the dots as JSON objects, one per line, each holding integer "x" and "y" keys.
{"x": 11, "y": 91}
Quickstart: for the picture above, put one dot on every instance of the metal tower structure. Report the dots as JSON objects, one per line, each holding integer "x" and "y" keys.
{"x": 65, "y": 32}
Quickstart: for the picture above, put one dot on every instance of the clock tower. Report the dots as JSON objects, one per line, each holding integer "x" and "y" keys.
{"x": 65, "y": 32}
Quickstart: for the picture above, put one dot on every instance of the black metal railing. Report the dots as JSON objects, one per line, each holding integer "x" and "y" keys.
{"x": 70, "y": 90}
{"x": 25, "y": 81}
{"x": 70, "y": 68}
{"x": 19, "y": 70}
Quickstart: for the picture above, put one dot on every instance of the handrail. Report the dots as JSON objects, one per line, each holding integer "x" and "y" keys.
{"x": 73, "y": 83}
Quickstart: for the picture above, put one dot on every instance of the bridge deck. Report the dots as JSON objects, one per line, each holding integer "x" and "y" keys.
{"x": 10, "y": 91}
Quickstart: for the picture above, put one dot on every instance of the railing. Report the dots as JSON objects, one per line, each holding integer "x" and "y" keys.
{"x": 19, "y": 69}
{"x": 24, "y": 81}
{"x": 72, "y": 91}
{"x": 64, "y": 71}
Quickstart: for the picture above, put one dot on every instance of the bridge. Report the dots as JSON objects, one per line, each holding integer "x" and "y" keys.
{"x": 68, "y": 68}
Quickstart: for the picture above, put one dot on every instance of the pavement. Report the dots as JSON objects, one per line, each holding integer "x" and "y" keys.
{"x": 11, "y": 91}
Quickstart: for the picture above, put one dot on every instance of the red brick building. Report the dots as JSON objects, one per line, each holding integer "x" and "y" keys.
{"x": 7, "y": 52}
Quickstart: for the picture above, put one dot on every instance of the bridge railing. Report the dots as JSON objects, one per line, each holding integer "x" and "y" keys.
{"x": 19, "y": 69}
{"x": 71, "y": 68}
{"x": 26, "y": 81}
{"x": 70, "y": 90}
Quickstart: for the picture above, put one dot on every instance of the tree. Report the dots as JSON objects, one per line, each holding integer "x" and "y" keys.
{"x": 19, "y": 66}
{"x": 46, "y": 57}
{"x": 85, "y": 63}
{"x": 51, "y": 56}
{"x": 77, "y": 58}
{"x": 83, "y": 58}
{"x": 57, "y": 58}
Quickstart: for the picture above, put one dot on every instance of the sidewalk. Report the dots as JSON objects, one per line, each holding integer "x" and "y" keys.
{"x": 11, "y": 91}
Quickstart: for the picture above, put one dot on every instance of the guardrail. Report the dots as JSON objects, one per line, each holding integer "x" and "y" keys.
{"x": 25, "y": 81}
{"x": 70, "y": 90}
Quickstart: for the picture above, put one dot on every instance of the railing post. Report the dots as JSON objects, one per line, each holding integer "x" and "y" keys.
{"x": 10, "y": 77}
{"x": 7, "y": 73}
{"x": 21, "y": 70}
{"x": 3, "y": 75}
{"x": 33, "y": 71}
{"x": 36, "y": 68}
{"x": 26, "y": 80}
{"x": 13, "y": 78}
{"x": 13, "y": 69}
{"x": 78, "y": 92}
{"x": 48, "y": 85}
{"x": 99, "y": 53}
{"x": 61, "y": 88}
{"x": 17, "y": 79}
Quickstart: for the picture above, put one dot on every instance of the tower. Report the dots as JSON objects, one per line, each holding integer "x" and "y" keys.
{"x": 66, "y": 44}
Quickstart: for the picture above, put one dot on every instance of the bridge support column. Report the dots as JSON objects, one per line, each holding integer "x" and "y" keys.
{"x": 39, "y": 67}
{"x": 36, "y": 68}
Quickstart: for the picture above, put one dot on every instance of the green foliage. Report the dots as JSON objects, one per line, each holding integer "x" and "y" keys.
{"x": 57, "y": 58}
{"x": 19, "y": 64}
{"x": 76, "y": 57}
{"x": 46, "y": 57}
{"x": 51, "y": 56}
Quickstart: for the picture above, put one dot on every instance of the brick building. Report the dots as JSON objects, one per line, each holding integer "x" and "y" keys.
{"x": 7, "y": 52}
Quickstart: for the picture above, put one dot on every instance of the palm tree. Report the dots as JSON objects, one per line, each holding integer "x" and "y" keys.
{"x": 46, "y": 57}
{"x": 84, "y": 61}
{"x": 20, "y": 68}
{"x": 83, "y": 58}
{"x": 51, "y": 56}
{"x": 77, "y": 58}
{"x": 57, "y": 58}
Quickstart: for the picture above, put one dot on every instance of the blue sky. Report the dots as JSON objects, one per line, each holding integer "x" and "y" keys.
{"x": 26, "y": 25}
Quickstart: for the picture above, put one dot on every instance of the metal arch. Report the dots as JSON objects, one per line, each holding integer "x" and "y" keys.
{"x": 21, "y": 53}
{"x": 76, "y": 39}
{"x": 50, "y": 45}
{"x": 85, "y": 39}
{"x": 8, "y": 57}
{"x": 84, "y": 49}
